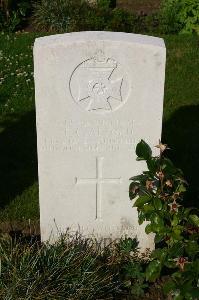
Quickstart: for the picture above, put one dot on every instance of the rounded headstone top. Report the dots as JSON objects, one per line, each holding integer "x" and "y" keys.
{"x": 99, "y": 35}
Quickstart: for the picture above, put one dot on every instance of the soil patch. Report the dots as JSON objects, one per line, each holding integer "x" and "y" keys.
{"x": 18, "y": 228}
{"x": 140, "y": 6}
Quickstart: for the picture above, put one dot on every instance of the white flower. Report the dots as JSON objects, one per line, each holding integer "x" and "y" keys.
{"x": 161, "y": 146}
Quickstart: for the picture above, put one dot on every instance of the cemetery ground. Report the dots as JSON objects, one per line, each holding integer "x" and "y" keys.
{"x": 18, "y": 167}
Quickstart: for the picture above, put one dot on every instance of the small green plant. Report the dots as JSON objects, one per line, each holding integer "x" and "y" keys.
{"x": 158, "y": 195}
{"x": 129, "y": 266}
{"x": 180, "y": 16}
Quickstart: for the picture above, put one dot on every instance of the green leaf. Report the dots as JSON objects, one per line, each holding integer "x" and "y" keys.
{"x": 157, "y": 220}
{"x": 170, "y": 263}
{"x": 139, "y": 178}
{"x": 139, "y": 158}
{"x": 157, "y": 203}
{"x": 128, "y": 244}
{"x": 153, "y": 270}
{"x": 169, "y": 286}
{"x": 194, "y": 219}
{"x": 158, "y": 238}
{"x": 181, "y": 188}
{"x": 175, "y": 220}
{"x": 187, "y": 212}
{"x": 194, "y": 294}
{"x": 178, "y": 297}
{"x": 176, "y": 250}
{"x": 148, "y": 228}
{"x": 158, "y": 229}
{"x": 148, "y": 209}
{"x": 168, "y": 166}
{"x": 133, "y": 190}
{"x": 143, "y": 150}
{"x": 141, "y": 201}
{"x": 176, "y": 234}
{"x": 177, "y": 276}
{"x": 152, "y": 164}
{"x": 160, "y": 254}
{"x": 141, "y": 217}
{"x": 192, "y": 247}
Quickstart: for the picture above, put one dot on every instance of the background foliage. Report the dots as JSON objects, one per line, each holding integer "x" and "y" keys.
{"x": 173, "y": 16}
{"x": 179, "y": 16}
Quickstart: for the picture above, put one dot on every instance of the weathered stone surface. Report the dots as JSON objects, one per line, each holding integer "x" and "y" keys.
{"x": 97, "y": 95}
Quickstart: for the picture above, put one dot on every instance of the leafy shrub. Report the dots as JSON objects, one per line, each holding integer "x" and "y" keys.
{"x": 76, "y": 15}
{"x": 59, "y": 15}
{"x": 102, "y": 3}
{"x": 70, "y": 15}
{"x": 73, "y": 268}
{"x": 158, "y": 195}
{"x": 179, "y": 16}
{"x": 121, "y": 20}
{"x": 95, "y": 17}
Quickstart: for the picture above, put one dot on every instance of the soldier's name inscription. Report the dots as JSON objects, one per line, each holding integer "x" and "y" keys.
{"x": 101, "y": 135}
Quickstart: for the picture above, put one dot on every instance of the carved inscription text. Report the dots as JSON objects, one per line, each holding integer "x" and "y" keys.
{"x": 95, "y": 136}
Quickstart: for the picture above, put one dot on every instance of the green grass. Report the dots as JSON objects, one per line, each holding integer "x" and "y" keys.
{"x": 181, "y": 109}
{"x": 18, "y": 163}
{"x": 73, "y": 268}
{"x": 18, "y": 158}
{"x": 182, "y": 76}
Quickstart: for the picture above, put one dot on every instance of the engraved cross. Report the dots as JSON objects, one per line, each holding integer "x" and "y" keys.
{"x": 98, "y": 181}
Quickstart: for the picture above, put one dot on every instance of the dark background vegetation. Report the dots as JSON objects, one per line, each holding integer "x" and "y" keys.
{"x": 152, "y": 16}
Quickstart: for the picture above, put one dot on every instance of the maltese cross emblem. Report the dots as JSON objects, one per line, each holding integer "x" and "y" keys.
{"x": 99, "y": 90}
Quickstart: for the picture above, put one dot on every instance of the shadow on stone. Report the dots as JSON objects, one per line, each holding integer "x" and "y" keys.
{"x": 18, "y": 156}
{"x": 181, "y": 133}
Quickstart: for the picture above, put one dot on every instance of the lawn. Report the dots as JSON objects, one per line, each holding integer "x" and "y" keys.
{"x": 18, "y": 154}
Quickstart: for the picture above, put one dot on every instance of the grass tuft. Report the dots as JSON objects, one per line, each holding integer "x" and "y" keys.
{"x": 72, "y": 268}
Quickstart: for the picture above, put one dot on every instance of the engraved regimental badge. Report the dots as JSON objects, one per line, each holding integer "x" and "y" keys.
{"x": 97, "y": 83}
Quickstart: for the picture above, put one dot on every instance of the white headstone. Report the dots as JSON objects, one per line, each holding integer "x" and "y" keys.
{"x": 97, "y": 95}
